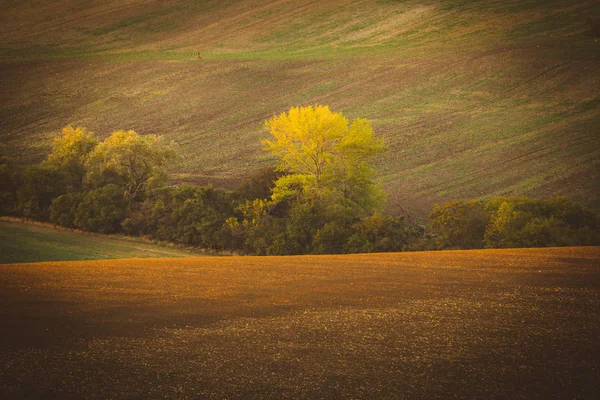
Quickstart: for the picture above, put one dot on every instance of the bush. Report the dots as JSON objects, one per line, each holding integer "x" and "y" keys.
{"x": 459, "y": 224}
{"x": 525, "y": 222}
{"x": 38, "y": 187}
{"x": 378, "y": 233}
{"x": 64, "y": 208}
{"x": 513, "y": 222}
{"x": 8, "y": 187}
{"x": 257, "y": 186}
{"x": 102, "y": 210}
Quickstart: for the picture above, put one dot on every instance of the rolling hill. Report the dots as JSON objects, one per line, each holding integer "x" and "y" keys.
{"x": 474, "y": 98}
{"x": 28, "y": 242}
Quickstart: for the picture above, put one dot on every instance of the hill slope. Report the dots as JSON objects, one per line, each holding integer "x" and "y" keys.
{"x": 474, "y": 98}
{"x": 21, "y": 243}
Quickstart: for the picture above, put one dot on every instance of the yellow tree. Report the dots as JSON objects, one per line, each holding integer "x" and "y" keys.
{"x": 136, "y": 160}
{"x": 325, "y": 155}
{"x": 69, "y": 153}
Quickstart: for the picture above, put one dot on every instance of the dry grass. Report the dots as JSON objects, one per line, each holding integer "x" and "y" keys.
{"x": 465, "y": 324}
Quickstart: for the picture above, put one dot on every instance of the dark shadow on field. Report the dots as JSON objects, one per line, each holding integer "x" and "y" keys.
{"x": 514, "y": 324}
{"x": 41, "y": 323}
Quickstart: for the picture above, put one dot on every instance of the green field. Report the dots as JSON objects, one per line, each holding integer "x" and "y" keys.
{"x": 474, "y": 98}
{"x": 489, "y": 324}
{"x": 20, "y": 243}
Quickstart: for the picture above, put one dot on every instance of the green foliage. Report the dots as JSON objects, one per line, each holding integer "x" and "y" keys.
{"x": 525, "y": 222}
{"x": 259, "y": 227}
{"x": 137, "y": 162}
{"x": 459, "y": 224}
{"x": 102, "y": 210}
{"x": 186, "y": 215}
{"x": 64, "y": 209}
{"x": 8, "y": 186}
{"x": 331, "y": 238}
{"x": 302, "y": 223}
{"x": 199, "y": 219}
{"x": 514, "y": 222}
{"x": 258, "y": 186}
{"x": 378, "y": 233}
{"x": 38, "y": 186}
{"x": 138, "y": 221}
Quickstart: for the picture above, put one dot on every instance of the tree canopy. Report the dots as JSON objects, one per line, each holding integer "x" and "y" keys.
{"x": 134, "y": 160}
{"x": 69, "y": 154}
{"x": 325, "y": 156}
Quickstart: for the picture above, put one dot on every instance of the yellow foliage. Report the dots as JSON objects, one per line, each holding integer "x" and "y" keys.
{"x": 321, "y": 149}
{"x": 71, "y": 147}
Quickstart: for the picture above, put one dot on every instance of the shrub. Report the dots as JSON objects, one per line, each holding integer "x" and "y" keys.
{"x": 39, "y": 185}
{"x": 102, "y": 210}
{"x": 64, "y": 208}
{"x": 459, "y": 224}
{"x": 378, "y": 233}
{"x": 525, "y": 222}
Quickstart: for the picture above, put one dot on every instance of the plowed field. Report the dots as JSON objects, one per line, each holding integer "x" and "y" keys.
{"x": 462, "y": 324}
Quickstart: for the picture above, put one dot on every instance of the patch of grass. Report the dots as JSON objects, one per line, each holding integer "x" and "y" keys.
{"x": 21, "y": 243}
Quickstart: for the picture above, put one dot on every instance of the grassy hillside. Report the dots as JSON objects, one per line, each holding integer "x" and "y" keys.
{"x": 473, "y": 324}
{"x": 21, "y": 243}
{"x": 474, "y": 98}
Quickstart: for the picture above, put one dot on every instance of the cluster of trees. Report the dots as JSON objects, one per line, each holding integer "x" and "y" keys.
{"x": 322, "y": 197}
{"x": 513, "y": 222}
{"x": 85, "y": 183}
{"x": 326, "y": 198}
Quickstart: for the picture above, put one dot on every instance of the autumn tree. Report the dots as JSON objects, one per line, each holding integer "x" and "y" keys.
{"x": 325, "y": 156}
{"x": 327, "y": 184}
{"x": 130, "y": 160}
{"x": 69, "y": 153}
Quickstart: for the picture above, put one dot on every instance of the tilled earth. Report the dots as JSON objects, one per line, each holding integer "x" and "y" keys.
{"x": 504, "y": 324}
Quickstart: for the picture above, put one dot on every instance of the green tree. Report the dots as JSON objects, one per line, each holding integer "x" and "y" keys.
{"x": 258, "y": 185}
{"x": 8, "y": 186}
{"x": 525, "y": 222}
{"x": 38, "y": 186}
{"x": 64, "y": 209}
{"x": 378, "y": 233}
{"x": 101, "y": 210}
{"x": 132, "y": 161}
{"x": 459, "y": 224}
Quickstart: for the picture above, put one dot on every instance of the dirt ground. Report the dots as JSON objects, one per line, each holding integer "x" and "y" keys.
{"x": 437, "y": 325}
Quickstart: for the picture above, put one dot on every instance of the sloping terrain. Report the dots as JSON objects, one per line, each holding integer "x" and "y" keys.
{"x": 516, "y": 324}
{"x": 21, "y": 243}
{"x": 474, "y": 98}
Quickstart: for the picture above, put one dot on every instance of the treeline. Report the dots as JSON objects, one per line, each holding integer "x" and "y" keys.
{"x": 120, "y": 185}
{"x": 322, "y": 198}
{"x": 513, "y": 222}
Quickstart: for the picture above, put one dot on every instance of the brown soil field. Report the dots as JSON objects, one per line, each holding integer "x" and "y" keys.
{"x": 503, "y": 324}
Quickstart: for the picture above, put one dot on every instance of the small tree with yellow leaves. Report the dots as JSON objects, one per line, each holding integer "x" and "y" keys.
{"x": 326, "y": 157}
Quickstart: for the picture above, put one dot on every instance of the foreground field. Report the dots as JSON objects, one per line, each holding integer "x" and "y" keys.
{"x": 464, "y": 324}
{"x": 21, "y": 242}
